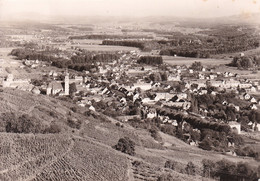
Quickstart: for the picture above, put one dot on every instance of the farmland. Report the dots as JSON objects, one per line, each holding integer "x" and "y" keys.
{"x": 95, "y": 45}
{"x": 188, "y": 61}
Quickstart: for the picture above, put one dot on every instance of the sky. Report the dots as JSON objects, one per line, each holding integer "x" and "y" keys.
{"x": 130, "y": 8}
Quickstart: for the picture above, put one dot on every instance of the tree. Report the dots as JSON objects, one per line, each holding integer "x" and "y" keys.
{"x": 125, "y": 145}
{"x": 208, "y": 168}
{"x": 206, "y": 144}
{"x": 190, "y": 168}
{"x": 197, "y": 66}
{"x": 73, "y": 88}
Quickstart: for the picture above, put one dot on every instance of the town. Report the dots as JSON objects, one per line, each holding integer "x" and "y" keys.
{"x": 124, "y": 100}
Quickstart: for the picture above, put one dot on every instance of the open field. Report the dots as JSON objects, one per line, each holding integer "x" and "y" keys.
{"x": 188, "y": 61}
{"x": 248, "y": 52}
{"x": 7, "y": 63}
{"x": 95, "y": 45}
{"x": 107, "y": 48}
{"x": 246, "y": 74}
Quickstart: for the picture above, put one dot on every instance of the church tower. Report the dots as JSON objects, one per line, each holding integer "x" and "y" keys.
{"x": 67, "y": 84}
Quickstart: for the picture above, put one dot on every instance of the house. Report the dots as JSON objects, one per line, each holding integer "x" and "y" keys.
{"x": 253, "y": 106}
{"x": 151, "y": 113}
{"x": 181, "y": 105}
{"x": 256, "y": 127}
{"x": 212, "y": 76}
{"x": 235, "y": 126}
{"x": 253, "y": 100}
{"x": 92, "y": 108}
{"x": 252, "y": 89}
{"x": 35, "y": 90}
{"x": 246, "y": 96}
{"x": 163, "y": 96}
{"x": 215, "y": 83}
{"x": 78, "y": 79}
{"x": 203, "y": 91}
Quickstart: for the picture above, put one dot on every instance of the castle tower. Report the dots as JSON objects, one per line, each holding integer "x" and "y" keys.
{"x": 67, "y": 84}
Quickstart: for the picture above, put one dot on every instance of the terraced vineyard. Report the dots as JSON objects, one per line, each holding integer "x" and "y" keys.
{"x": 59, "y": 157}
{"x": 22, "y": 156}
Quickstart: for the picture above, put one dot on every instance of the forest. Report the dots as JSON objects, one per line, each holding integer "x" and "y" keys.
{"x": 80, "y": 62}
{"x": 137, "y": 44}
{"x": 204, "y": 44}
{"x": 150, "y": 60}
{"x": 107, "y": 36}
{"x": 245, "y": 62}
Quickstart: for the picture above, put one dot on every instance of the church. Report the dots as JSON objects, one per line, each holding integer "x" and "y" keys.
{"x": 59, "y": 88}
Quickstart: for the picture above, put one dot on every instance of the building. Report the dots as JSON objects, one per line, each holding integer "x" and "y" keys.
{"x": 54, "y": 88}
{"x": 66, "y": 84}
{"x": 235, "y": 126}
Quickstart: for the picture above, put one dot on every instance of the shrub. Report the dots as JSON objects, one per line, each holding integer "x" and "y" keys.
{"x": 74, "y": 109}
{"x": 170, "y": 164}
{"x": 125, "y": 145}
{"x": 54, "y": 128}
{"x": 23, "y": 124}
{"x": 137, "y": 163}
{"x": 74, "y": 123}
{"x": 166, "y": 177}
{"x": 155, "y": 134}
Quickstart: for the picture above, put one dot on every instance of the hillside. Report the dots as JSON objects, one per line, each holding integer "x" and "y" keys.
{"x": 85, "y": 152}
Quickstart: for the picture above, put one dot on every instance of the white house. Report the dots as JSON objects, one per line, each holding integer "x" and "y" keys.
{"x": 235, "y": 126}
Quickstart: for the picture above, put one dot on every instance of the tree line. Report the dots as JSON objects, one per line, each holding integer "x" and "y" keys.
{"x": 80, "y": 62}
{"x": 150, "y": 60}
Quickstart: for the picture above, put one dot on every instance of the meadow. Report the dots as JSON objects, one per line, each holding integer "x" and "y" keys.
{"x": 188, "y": 61}
{"x": 95, "y": 45}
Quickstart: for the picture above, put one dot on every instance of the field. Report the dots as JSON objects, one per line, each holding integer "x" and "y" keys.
{"x": 188, "y": 61}
{"x": 95, "y": 45}
{"x": 246, "y": 74}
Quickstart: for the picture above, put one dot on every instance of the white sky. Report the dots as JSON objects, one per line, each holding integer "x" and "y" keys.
{"x": 186, "y": 8}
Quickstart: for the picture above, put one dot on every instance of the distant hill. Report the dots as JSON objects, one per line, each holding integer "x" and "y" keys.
{"x": 247, "y": 18}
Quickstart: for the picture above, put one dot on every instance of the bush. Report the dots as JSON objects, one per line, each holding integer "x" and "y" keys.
{"x": 125, "y": 145}
{"x": 248, "y": 151}
{"x": 170, "y": 164}
{"x": 54, "y": 128}
{"x": 155, "y": 134}
{"x": 23, "y": 124}
{"x": 74, "y": 109}
{"x": 74, "y": 123}
{"x": 166, "y": 177}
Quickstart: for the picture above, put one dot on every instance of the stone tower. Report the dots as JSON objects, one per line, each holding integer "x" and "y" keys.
{"x": 67, "y": 84}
